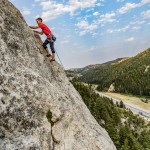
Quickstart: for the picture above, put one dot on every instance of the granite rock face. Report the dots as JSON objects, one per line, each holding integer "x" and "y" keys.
{"x": 39, "y": 107}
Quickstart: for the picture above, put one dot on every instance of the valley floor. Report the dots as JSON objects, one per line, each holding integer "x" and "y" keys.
{"x": 133, "y": 100}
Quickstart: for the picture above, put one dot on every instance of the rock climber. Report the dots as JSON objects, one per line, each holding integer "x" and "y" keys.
{"x": 49, "y": 39}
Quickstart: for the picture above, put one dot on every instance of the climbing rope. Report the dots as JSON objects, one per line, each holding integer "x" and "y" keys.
{"x": 59, "y": 59}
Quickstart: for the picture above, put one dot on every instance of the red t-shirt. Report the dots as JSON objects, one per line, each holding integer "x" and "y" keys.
{"x": 45, "y": 30}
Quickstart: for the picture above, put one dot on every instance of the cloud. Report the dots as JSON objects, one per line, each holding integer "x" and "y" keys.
{"x": 94, "y": 34}
{"x": 76, "y": 4}
{"x": 99, "y": 4}
{"x": 145, "y": 1}
{"x": 136, "y": 28}
{"x": 108, "y": 15}
{"x": 105, "y": 18}
{"x": 86, "y": 27}
{"x": 100, "y": 21}
{"x": 52, "y": 9}
{"x": 131, "y": 39}
{"x": 127, "y": 7}
{"x": 133, "y": 25}
{"x": 130, "y": 6}
{"x": 39, "y": 0}
{"x": 26, "y": 11}
{"x": 120, "y": 0}
{"x": 146, "y": 14}
{"x": 137, "y": 22}
{"x": 33, "y": 5}
{"x": 118, "y": 30}
{"x": 96, "y": 13}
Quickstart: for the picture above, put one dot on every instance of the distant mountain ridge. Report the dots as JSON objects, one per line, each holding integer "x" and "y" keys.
{"x": 86, "y": 68}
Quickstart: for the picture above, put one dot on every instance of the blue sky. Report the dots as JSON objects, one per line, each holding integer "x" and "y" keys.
{"x": 92, "y": 31}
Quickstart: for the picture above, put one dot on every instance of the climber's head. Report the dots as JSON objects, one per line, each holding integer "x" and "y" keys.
{"x": 39, "y": 20}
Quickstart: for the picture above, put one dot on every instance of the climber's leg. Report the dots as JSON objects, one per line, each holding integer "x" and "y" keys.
{"x": 53, "y": 50}
{"x": 45, "y": 47}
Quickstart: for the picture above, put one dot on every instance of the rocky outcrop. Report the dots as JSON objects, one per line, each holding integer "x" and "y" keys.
{"x": 112, "y": 88}
{"x": 147, "y": 69}
{"x": 39, "y": 107}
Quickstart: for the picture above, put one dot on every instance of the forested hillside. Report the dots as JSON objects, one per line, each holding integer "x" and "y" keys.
{"x": 130, "y": 76}
{"x": 128, "y": 131}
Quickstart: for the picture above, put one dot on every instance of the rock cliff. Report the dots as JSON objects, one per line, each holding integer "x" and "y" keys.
{"x": 39, "y": 107}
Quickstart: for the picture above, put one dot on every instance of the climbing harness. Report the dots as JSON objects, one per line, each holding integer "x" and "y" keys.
{"x": 53, "y": 38}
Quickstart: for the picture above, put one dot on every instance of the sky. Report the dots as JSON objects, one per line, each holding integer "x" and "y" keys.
{"x": 92, "y": 31}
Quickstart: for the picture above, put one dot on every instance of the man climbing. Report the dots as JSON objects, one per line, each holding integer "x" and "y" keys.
{"x": 49, "y": 39}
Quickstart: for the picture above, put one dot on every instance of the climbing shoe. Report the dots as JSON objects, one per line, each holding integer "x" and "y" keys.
{"x": 48, "y": 55}
{"x": 52, "y": 60}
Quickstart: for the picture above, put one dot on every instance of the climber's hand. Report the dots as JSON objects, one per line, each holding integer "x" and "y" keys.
{"x": 35, "y": 31}
{"x": 38, "y": 32}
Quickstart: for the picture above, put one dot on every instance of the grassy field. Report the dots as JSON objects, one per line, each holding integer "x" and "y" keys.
{"x": 129, "y": 99}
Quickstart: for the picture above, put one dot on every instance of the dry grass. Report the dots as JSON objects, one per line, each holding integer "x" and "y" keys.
{"x": 129, "y": 99}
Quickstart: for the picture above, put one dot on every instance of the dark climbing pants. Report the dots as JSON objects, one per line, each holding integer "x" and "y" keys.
{"x": 48, "y": 41}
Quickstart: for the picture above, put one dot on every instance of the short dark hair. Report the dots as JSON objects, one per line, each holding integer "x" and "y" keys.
{"x": 39, "y": 19}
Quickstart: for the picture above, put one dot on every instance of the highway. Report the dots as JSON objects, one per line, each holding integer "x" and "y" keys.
{"x": 134, "y": 109}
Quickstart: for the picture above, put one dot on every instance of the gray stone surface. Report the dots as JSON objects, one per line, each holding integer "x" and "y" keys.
{"x": 30, "y": 86}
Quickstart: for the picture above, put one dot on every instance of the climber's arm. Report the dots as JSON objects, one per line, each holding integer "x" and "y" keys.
{"x": 34, "y": 27}
{"x": 39, "y": 32}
